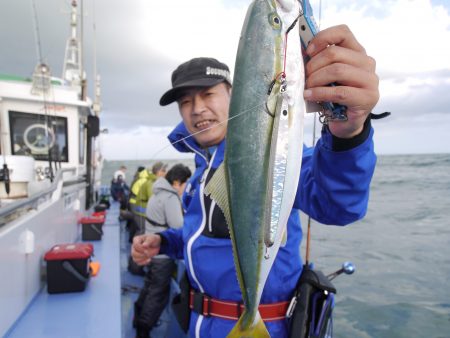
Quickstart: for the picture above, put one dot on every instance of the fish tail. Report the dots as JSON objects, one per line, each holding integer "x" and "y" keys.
{"x": 257, "y": 329}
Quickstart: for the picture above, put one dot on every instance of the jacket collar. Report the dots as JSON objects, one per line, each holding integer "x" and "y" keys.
{"x": 181, "y": 142}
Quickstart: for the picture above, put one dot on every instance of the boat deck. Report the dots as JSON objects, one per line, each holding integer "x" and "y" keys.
{"x": 105, "y": 308}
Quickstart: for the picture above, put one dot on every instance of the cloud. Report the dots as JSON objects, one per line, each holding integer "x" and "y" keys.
{"x": 147, "y": 43}
{"x": 427, "y": 133}
{"x": 402, "y": 35}
{"x": 418, "y": 94}
{"x": 140, "y": 42}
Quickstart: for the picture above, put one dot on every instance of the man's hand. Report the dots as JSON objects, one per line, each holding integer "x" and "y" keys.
{"x": 144, "y": 248}
{"x": 336, "y": 56}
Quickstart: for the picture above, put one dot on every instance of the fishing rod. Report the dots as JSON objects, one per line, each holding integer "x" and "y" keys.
{"x": 44, "y": 71}
{"x": 4, "y": 173}
{"x": 308, "y": 232}
{"x": 331, "y": 112}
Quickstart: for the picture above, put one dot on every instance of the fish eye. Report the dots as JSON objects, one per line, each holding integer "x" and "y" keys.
{"x": 274, "y": 20}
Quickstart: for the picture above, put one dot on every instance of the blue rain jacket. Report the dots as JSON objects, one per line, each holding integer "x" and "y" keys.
{"x": 333, "y": 189}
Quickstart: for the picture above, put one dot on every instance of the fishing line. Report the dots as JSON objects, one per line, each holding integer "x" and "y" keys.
{"x": 308, "y": 233}
{"x": 209, "y": 128}
{"x": 282, "y": 75}
{"x": 286, "y": 41}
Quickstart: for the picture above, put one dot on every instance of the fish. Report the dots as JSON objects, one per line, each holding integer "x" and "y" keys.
{"x": 256, "y": 184}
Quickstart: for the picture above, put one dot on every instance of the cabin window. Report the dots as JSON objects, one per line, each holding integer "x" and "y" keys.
{"x": 35, "y": 134}
{"x": 82, "y": 141}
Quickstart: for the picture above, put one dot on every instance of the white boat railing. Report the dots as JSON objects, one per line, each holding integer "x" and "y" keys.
{"x": 14, "y": 209}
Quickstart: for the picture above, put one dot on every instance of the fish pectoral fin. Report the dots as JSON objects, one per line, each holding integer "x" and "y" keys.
{"x": 258, "y": 329}
{"x": 218, "y": 190}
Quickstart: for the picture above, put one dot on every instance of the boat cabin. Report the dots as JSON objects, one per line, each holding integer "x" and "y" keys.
{"x": 45, "y": 126}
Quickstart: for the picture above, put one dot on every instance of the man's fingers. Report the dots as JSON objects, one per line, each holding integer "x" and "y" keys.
{"x": 142, "y": 261}
{"x": 140, "y": 257}
{"x": 143, "y": 241}
{"x": 138, "y": 244}
{"x": 353, "y": 98}
{"x": 144, "y": 248}
{"x": 337, "y": 54}
{"x": 336, "y": 57}
{"x": 343, "y": 74}
{"x": 339, "y": 35}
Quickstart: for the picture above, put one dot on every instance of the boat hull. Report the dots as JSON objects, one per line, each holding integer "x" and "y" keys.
{"x": 23, "y": 243}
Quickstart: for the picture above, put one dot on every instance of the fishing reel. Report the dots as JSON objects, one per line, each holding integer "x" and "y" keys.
{"x": 42, "y": 173}
{"x": 311, "y": 308}
{"x": 348, "y": 268}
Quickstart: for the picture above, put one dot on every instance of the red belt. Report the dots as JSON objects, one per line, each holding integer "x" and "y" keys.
{"x": 207, "y": 306}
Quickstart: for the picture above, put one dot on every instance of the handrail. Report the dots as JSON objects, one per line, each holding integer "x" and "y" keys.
{"x": 14, "y": 206}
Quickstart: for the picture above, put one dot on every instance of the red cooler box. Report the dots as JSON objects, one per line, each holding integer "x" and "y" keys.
{"x": 99, "y": 214}
{"x": 68, "y": 267}
{"x": 92, "y": 228}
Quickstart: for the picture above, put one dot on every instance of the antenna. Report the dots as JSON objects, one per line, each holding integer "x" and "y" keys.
{"x": 73, "y": 68}
{"x": 97, "y": 105}
{"x": 82, "y": 73}
{"x": 37, "y": 33}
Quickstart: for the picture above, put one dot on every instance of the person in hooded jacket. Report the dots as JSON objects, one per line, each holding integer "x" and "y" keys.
{"x": 158, "y": 170}
{"x": 141, "y": 190}
{"x": 164, "y": 210}
{"x": 333, "y": 187}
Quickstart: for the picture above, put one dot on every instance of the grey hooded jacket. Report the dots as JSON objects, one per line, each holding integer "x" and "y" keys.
{"x": 163, "y": 208}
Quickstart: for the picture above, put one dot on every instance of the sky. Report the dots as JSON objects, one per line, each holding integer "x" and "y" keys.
{"x": 138, "y": 43}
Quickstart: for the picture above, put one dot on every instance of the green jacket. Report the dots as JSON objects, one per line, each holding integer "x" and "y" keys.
{"x": 144, "y": 193}
{"x": 136, "y": 186}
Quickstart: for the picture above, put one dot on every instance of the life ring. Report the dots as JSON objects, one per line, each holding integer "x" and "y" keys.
{"x": 39, "y": 138}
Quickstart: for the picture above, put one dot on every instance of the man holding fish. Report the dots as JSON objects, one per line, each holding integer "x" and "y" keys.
{"x": 241, "y": 235}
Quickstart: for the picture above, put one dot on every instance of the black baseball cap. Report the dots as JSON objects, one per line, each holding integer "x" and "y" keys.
{"x": 198, "y": 72}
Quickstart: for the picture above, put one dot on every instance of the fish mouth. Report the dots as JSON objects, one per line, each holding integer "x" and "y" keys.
{"x": 205, "y": 124}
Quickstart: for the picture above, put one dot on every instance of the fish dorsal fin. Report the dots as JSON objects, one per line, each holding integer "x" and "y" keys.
{"x": 217, "y": 188}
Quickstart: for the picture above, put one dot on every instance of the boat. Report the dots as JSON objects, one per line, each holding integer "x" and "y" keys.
{"x": 50, "y": 171}
{"x": 50, "y": 168}
{"x": 50, "y": 180}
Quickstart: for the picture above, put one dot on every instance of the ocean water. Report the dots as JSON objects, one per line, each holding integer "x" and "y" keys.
{"x": 401, "y": 250}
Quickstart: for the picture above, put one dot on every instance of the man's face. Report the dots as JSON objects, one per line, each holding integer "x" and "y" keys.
{"x": 205, "y": 113}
